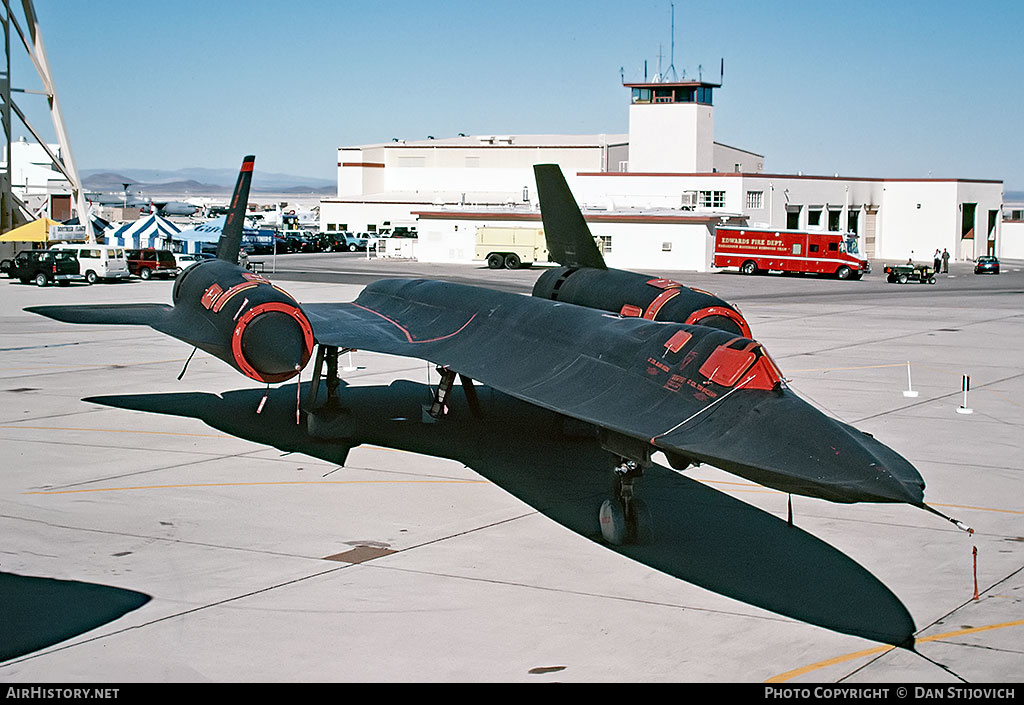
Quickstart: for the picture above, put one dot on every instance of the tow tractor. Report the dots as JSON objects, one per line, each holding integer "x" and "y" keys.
{"x": 902, "y": 273}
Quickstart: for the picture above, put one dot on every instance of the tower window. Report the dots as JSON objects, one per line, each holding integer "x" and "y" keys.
{"x": 684, "y": 95}
{"x": 755, "y": 200}
{"x": 641, "y": 95}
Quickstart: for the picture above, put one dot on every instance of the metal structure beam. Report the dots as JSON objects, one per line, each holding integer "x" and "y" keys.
{"x": 12, "y": 210}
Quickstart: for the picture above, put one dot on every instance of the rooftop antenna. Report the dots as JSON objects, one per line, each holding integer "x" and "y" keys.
{"x": 672, "y": 55}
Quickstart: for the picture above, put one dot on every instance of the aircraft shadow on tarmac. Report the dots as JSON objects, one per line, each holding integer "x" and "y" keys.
{"x": 39, "y": 612}
{"x": 696, "y": 533}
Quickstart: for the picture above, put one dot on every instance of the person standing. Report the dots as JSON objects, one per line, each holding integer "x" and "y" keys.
{"x": 945, "y": 261}
{"x": 937, "y": 260}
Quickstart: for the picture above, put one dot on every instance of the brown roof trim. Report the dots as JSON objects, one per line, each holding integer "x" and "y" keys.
{"x": 758, "y": 175}
{"x": 589, "y": 217}
{"x": 377, "y": 165}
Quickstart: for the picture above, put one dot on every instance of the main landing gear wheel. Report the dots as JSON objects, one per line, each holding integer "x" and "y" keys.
{"x": 625, "y": 518}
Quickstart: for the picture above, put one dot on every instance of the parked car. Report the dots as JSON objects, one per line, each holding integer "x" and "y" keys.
{"x": 150, "y": 262}
{"x": 98, "y": 261}
{"x": 186, "y": 260}
{"x": 343, "y": 241}
{"x": 986, "y": 264}
{"x": 44, "y": 267}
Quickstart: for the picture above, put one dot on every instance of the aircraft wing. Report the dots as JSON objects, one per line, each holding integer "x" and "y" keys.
{"x": 648, "y": 381}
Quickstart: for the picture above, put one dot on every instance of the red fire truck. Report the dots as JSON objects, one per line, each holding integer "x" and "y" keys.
{"x": 759, "y": 249}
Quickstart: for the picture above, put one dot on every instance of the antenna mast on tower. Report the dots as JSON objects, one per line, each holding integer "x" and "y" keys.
{"x": 672, "y": 55}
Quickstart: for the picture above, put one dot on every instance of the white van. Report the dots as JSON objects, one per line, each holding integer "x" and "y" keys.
{"x": 98, "y": 261}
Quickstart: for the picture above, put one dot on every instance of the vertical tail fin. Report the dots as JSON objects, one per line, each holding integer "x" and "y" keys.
{"x": 231, "y": 238}
{"x": 569, "y": 240}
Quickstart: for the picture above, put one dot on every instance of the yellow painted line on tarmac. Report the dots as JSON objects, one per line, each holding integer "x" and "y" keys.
{"x": 745, "y": 487}
{"x": 734, "y": 486}
{"x": 979, "y": 509}
{"x": 262, "y": 484}
{"x": 93, "y": 365}
{"x": 796, "y": 672}
{"x": 115, "y": 430}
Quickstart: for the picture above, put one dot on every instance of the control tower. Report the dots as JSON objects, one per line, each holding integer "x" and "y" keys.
{"x": 672, "y": 127}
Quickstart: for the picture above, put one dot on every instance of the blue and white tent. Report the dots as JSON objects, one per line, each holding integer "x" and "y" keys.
{"x": 151, "y": 231}
{"x": 192, "y": 240}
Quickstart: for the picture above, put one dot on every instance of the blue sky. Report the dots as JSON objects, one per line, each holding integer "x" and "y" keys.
{"x": 891, "y": 89}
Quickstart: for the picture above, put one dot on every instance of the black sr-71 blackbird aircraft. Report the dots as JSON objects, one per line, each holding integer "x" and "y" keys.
{"x": 654, "y": 365}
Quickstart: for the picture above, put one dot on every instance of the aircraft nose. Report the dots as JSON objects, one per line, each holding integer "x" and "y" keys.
{"x": 783, "y": 442}
{"x": 854, "y": 465}
{"x": 897, "y": 480}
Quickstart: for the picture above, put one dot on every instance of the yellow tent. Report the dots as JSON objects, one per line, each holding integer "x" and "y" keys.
{"x": 36, "y": 231}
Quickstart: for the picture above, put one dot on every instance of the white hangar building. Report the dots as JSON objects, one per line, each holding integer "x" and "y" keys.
{"x": 653, "y": 196}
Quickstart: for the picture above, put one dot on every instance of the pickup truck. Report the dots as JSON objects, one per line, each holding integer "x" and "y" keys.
{"x": 343, "y": 242}
{"x": 44, "y": 267}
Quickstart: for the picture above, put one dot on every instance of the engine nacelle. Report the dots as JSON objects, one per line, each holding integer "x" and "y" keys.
{"x": 639, "y": 295}
{"x": 243, "y": 319}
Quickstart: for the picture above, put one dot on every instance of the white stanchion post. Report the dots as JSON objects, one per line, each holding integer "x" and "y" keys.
{"x": 910, "y": 387}
{"x": 963, "y": 408}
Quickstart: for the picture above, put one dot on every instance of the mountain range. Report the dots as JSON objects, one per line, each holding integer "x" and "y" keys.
{"x": 199, "y": 181}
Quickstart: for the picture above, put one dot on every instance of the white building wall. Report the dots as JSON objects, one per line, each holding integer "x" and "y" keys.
{"x": 1011, "y": 242}
{"x": 989, "y": 200}
{"x": 367, "y": 217}
{"x": 729, "y": 160}
{"x": 655, "y": 190}
{"x": 645, "y": 246}
{"x": 916, "y": 218}
{"x": 671, "y": 137}
{"x": 633, "y": 245}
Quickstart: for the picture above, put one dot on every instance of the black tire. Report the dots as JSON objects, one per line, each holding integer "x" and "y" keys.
{"x": 351, "y": 248}
{"x": 40, "y": 279}
{"x": 748, "y": 267}
{"x": 495, "y": 261}
{"x": 90, "y": 277}
{"x": 512, "y": 261}
{"x": 902, "y": 279}
{"x": 843, "y": 273}
{"x": 145, "y": 272}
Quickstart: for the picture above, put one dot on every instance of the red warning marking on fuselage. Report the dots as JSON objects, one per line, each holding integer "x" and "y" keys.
{"x": 210, "y": 295}
{"x": 224, "y": 297}
{"x": 660, "y": 300}
{"x": 663, "y": 283}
